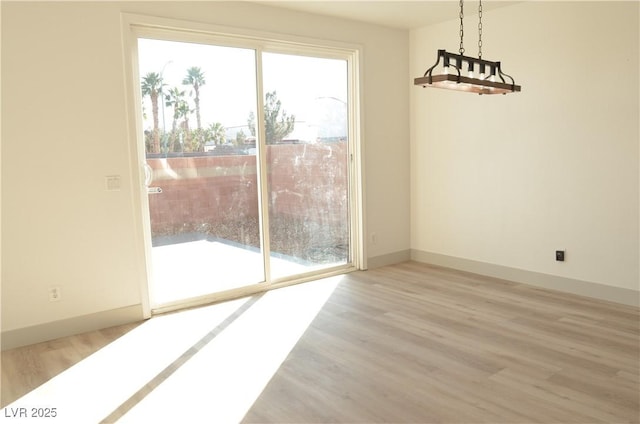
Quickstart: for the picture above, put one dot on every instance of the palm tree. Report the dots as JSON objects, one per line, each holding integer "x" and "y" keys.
{"x": 184, "y": 111}
{"x": 195, "y": 78}
{"x": 152, "y": 87}
{"x": 174, "y": 98}
{"x": 217, "y": 133}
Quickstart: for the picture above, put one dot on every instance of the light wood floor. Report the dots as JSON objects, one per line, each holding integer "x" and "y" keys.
{"x": 414, "y": 343}
{"x": 25, "y": 368}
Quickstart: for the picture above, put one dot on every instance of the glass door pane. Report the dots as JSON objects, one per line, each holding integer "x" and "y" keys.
{"x": 306, "y": 126}
{"x": 201, "y": 168}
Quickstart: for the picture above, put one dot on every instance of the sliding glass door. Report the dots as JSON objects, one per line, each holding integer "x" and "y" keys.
{"x": 248, "y": 170}
{"x": 307, "y": 148}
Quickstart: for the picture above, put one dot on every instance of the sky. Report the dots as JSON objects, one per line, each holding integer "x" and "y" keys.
{"x": 312, "y": 89}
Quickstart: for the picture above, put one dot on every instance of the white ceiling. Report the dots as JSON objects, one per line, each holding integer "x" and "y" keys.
{"x": 395, "y": 14}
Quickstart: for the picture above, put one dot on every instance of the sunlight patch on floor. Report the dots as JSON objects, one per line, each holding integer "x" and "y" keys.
{"x": 223, "y": 380}
{"x": 246, "y": 342}
{"x": 94, "y": 387}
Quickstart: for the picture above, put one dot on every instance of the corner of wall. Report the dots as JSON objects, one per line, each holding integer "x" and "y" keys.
{"x": 538, "y": 279}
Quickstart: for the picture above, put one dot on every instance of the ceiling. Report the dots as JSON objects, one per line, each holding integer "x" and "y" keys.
{"x": 394, "y": 14}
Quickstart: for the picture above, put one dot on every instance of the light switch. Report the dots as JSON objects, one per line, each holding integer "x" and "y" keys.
{"x": 113, "y": 182}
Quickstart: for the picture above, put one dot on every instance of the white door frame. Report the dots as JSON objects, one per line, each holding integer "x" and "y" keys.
{"x": 135, "y": 26}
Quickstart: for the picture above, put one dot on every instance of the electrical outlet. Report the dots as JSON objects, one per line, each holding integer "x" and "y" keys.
{"x": 54, "y": 294}
{"x": 560, "y": 255}
{"x": 374, "y": 238}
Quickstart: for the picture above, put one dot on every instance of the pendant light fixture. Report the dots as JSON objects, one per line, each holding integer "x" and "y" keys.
{"x": 483, "y": 76}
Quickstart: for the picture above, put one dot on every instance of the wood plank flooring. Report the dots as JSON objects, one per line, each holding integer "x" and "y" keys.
{"x": 415, "y": 343}
{"x": 412, "y": 343}
{"x": 25, "y": 368}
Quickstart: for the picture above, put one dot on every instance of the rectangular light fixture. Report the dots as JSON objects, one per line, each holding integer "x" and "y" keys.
{"x": 451, "y": 78}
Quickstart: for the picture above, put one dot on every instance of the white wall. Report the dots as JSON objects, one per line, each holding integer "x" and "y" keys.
{"x": 507, "y": 180}
{"x": 64, "y": 130}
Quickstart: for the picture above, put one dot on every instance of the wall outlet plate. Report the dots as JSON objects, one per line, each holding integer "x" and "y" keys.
{"x": 54, "y": 294}
{"x": 560, "y": 255}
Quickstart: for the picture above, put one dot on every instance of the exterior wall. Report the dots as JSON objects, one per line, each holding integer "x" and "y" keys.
{"x": 306, "y": 181}
{"x": 201, "y": 190}
{"x": 309, "y": 180}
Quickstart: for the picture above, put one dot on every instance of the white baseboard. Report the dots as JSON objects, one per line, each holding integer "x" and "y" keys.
{"x": 53, "y": 330}
{"x": 554, "y": 282}
{"x": 70, "y": 326}
{"x": 388, "y": 259}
